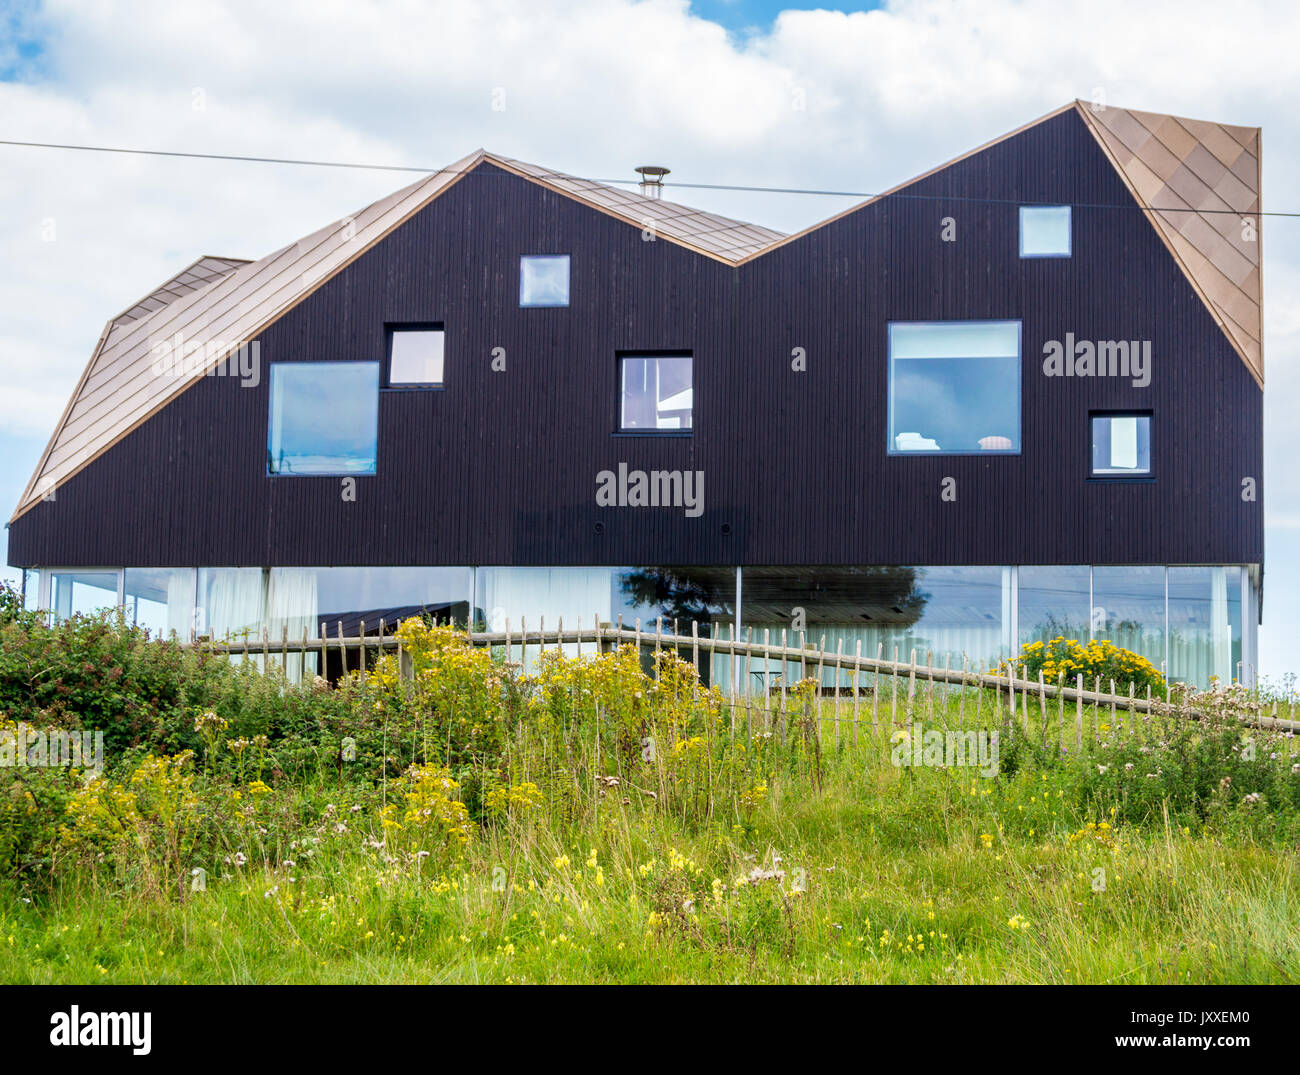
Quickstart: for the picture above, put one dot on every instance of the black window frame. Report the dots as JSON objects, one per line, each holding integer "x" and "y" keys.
{"x": 652, "y": 352}
{"x": 1148, "y": 475}
{"x": 391, "y": 328}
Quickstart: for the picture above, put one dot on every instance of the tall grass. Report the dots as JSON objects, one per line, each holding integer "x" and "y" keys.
{"x": 592, "y": 823}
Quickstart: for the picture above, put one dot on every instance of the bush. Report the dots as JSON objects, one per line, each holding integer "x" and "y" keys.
{"x": 1064, "y": 658}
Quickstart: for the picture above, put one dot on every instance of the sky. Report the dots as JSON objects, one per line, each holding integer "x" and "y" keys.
{"x": 749, "y": 92}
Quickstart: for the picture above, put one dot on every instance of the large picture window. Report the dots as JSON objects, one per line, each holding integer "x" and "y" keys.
{"x": 324, "y": 418}
{"x": 655, "y": 394}
{"x": 954, "y": 387}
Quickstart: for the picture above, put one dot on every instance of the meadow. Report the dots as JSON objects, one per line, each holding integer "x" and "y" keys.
{"x": 598, "y": 821}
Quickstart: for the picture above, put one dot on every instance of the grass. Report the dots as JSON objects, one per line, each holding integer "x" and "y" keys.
{"x": 1065, "y": 867}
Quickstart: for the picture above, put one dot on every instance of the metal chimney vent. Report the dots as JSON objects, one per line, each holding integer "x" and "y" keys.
{"x": 652, "y": 180}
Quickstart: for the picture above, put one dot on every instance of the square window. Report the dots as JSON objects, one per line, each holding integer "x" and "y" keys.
{"x": 954, "y": 387}
{"x": 415, "y": 357}
{"x": 655, "y": 393}
{"x": 1121, "y": 445}
{"x": 544, "y": 280}
{"x": 1044, "y": 231}
{"x": 324, "y": 418}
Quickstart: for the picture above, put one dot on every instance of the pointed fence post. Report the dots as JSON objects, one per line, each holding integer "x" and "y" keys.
{"x": 1078, "y": 713}
{"x": 1060, "y": 709}
{"x": 695, "y": 647}
{"x": 857, "y": 682}
{"x": 749, "y": 721}
{"x": 781, "y": 720}
{"x": 767, "y": 680}
{"x": 893, "y": 693}
{"x": 961, "y": 696}
{"x": 875, "y": 689}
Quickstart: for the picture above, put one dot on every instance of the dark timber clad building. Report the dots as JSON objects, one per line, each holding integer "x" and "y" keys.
{"x": 1017, "y": 397}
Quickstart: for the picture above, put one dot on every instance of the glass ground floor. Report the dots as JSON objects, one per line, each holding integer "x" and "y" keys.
{"x": 1193, "y": 622}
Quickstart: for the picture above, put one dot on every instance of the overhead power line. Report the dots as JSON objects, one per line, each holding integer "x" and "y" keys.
{"x": 666, "y": 183}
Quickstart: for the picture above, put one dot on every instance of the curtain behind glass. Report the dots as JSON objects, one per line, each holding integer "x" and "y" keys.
{"x": 232, "y": 602}
{"x": 292, "y": 606}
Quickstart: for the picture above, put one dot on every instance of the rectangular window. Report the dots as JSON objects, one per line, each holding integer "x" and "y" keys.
{"x": 1204, "y": 624}
{"x": 31, "y": 590}
{"x": 544, "y": 280}
{"x": 655, "y": 393}
{"x": 1128, "y": 609}
{"x": 1121, "y": 445}
{"x": 232, "y": 602}
{"x": 1045, "y": 231}
{"x": 82, "y": 592}
{"x": 1053, "y": 603}
{"x": 324, "y": 418}
{"x": 415, "y": 357}
{"x": 160, "y": 599}
{"x": 954, "y": 387}
{"x": 960, "y": 616}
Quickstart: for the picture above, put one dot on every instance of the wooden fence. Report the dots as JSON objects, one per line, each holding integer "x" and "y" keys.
{"x": 1014, "y": 695}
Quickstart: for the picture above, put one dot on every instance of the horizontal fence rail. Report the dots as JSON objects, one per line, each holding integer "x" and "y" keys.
{"x": 605, "y": 635}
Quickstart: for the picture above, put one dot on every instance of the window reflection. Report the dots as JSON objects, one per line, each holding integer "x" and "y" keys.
{"x": 324, "y": 418}
{"x": 954, "y": 387}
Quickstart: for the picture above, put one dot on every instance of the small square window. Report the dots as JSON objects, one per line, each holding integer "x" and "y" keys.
{"x": 1121, "y": 445}
{"x": 655, "y": 394}
{"x": 415, "y": 357}
{"x": 1044, "y": 231}
{"x": 544, "y": 280}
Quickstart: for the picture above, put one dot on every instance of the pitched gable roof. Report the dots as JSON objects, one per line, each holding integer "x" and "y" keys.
{"x": 1169, "y": 164}
{"x": 1202, "y": 182}
{"x": 706, "y": 233}
{"x": 194, "y": 277}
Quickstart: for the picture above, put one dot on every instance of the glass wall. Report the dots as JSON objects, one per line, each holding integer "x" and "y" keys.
{"x": 303, "y": 600}
{"x": 1053, "y": 603}
{"x": 231, "y": 604}
{"x": 943, "y": 613}
{"x": 160, "y": 599}
{"x": 1204, "y": 624}
{"x": 650, "y": 594}
{"x": 1197, "y": 622}
{"x": 31, "y": 590}
{"x": 1128, "y": 608}
{"x": 73, "y": 592}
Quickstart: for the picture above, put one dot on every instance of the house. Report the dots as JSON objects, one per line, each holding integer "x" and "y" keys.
{"x": 1016, "y": 397}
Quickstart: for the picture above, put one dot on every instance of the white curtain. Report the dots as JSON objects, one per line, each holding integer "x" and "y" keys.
{"x": 231, "y": 601}
{"x": 180, "y": 602}
{"x": 292, "y": 605}
{"x": 532, "y": 594}
{"x": 1220, "y": 629}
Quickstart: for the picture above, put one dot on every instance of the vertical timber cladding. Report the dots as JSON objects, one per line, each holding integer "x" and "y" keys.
{"x": 833, "y": 292}
{"x": 500, "y": 467}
